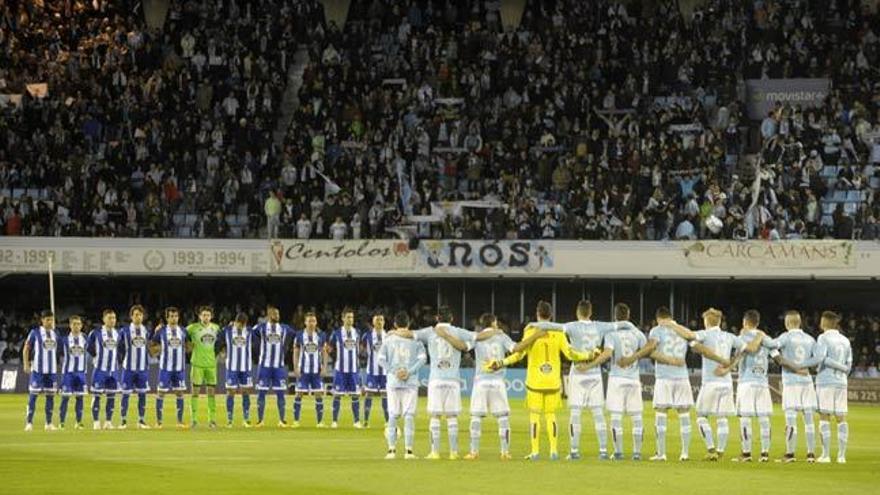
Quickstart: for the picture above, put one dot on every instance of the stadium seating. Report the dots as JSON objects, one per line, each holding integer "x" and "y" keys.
{"x": 582, "y": 123}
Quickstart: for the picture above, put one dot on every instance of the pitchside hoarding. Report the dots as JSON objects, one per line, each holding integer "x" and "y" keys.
{"x": 691, "y": 260}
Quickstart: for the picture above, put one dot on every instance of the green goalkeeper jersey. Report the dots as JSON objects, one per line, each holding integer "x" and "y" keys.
{"x": 203, "y": 338}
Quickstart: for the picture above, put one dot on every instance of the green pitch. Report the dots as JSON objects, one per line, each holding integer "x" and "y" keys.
{"x": 309, "y": 460}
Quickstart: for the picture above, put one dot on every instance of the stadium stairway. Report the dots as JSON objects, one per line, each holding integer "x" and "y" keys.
{"x": 290, "y": 100}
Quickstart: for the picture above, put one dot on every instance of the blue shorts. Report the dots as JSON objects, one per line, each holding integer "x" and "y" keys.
{"x": 172, "y": 380}
{"x": 137, "y": 381}
{"x": 375, "y": 383}
{"x": 309, "y": 382}
{"x": 42, "y": 383}
{"x": 239, "y": 379}
{"x": 73, "y": 383}
{"x": 272, "y": 378}
{"x": 104, "y": 382}
{"x": 346, "y": 383}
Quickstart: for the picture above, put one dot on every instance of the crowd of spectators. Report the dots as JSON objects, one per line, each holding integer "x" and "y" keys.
{"x": 588, "y": 120}
{"x": 591, "y": 120}
{"x": 135, "y": 124}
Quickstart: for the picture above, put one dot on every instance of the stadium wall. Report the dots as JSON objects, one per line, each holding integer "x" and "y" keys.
{"x": 690, "y": 260}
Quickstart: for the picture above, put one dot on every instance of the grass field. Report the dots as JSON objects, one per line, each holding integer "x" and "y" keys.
{"x": 351, "y": 461}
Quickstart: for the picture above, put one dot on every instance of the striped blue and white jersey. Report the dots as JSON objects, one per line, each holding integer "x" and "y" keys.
{"x": 44, "y": 343}
{"x": 445, "y": 359}
{"x": 311, "y": 349}
{"x": 74, "y": 349}
{"x": 173, "y": 343}
{"x": 672, "y": 345}
{"x": 722, "y": 343}
{"x": 239, "y": 347}
{"x": 372, "y": 343}
{"x": 586, "y": 335}
{"x": 834, "y": 355}
{"x": 274, "y": 338}
{"x": 345, "y": 343}
{"x": 103, "y": 344}
{"x": 134, "y": 343}
{"x": 796, "y": 346}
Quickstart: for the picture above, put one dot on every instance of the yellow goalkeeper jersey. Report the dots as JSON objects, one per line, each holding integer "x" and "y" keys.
{"x": 544, "y": 371}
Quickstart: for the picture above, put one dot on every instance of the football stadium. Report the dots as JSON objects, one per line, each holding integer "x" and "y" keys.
{"x": 439, "y": 246}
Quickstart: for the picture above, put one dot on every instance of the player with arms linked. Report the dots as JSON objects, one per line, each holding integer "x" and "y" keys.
{"x": 402, "y": 356}
{"x": 544, "y": 345}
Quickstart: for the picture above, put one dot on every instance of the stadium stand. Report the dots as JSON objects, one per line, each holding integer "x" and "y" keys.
{"x": 607, "y": 122}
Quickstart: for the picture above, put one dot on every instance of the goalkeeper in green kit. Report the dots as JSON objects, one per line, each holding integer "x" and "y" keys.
{"x": 202, "y": 336}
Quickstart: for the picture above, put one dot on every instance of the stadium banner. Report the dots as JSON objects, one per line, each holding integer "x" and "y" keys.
{"x": 519, "y": 259}
{"x": 763, "y": 94}
{"x": 761, "y": 254}
{"x": 472, "y": 257}
{"x": 80, "y": 255}
{"x": 639, "y": 259}
{"x": 328, "y": 257}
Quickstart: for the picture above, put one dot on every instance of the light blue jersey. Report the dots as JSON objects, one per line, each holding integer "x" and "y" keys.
{"x": 795, "y": 346}
{"x": 722, "y": 343}
{"x": 586, "y": 335}
{"x": 624, "y": 342}
{"x": 400, "y": 353}
{"x": 753, "y": 368}
{"x": 492, "y": 349}
{"x": 445, "y": 359}
{"x": 833, "y": 354}
{"x": 672, "y": 345}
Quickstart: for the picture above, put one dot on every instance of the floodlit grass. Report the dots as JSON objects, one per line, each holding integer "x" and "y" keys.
{"x": 308, "y": 460}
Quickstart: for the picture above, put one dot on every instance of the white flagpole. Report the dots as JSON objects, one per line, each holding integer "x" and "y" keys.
{"x": 51, "y": 284}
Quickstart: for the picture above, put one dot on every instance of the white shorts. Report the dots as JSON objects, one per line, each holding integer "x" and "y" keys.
{"x": 585, "y": 392}
{"x": 832, "y": 400}
{"x": 402, "y": 401}
{"x": 799, "y": 397}
{"x": 753, "y": 399}
{"x": 624, "y": 396}
{"x": 444, "y": 398}
{"x": 715, "y": 399}
{"x": 489, "y": 397}
{"x": 673, "y": 393}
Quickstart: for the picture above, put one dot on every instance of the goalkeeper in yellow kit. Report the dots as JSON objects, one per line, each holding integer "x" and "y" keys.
{"x": 544, "y": 375}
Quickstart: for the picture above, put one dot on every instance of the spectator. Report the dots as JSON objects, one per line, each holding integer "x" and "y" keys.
{"x": 338, "y": 230}
{"x": 303, "y": 227}
{"x": 272, "y": 207}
